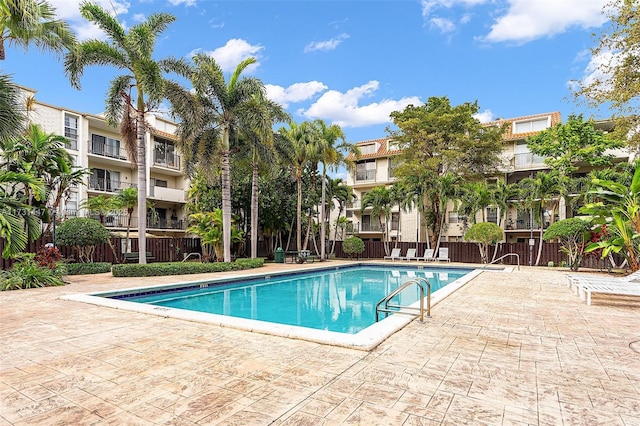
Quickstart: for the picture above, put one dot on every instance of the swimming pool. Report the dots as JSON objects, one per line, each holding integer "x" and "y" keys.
{"x": 312, "y": 294}
{"x": 342, "y": 300}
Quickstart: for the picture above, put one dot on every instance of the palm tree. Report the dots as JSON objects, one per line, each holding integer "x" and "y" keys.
{"x": 475, "y": 197}
{"x": 217, "y": 111}
{"x": 379, "y": 199}
{"x": 504, "y": 196}
{"x": 344, "y": 196}
{"x": 100, "y": 205}
{"x": 13, "y": 112}
{"x": 332, "y": 156}
{"x": 24, "y": 22}
{"x": 143, "y": 81}
{"x": 128, "y": 198}
{"x": 300, "y": 139}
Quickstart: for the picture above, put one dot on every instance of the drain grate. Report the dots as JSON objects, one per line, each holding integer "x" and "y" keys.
{"x": 635, "y": 346}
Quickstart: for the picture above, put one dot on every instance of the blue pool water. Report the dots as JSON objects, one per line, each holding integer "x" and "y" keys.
{"x": 342, "y": 300}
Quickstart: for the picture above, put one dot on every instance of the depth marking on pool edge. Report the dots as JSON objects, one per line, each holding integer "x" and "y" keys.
{"x": 204, "y": 285}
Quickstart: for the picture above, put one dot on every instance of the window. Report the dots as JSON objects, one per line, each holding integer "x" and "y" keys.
{"x": 524, "y": 157}
{"x": 105, "y": 180}
{"x": 103, "y": 145}
{"x": 395, "y": 221}
{"x": 71, "y": 130}
{"x": 160, "y": 183}
{"x": 366, "y": 170}
{"x": 454, "y": 217}
{"x": 71, "y": 204}
{"x": 393, "y": 164}
{"x": 530, "y": 125}
{"x": 165, "y": 153}
{"x": 349, "y": 214}
{"x": 371, "y": 148}
{"x": 492, "y": 214}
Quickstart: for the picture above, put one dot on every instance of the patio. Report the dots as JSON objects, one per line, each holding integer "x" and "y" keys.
{"x": 515, "y": 348}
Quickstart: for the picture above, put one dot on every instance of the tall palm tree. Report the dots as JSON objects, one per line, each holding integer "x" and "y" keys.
{"x": 332, "y": 155}
{"x": 343, "y": 195}
{"x": 475, "y": 197}
{"x": 128, "y": 199}
{"x": 379, "y": 199}
{"x": 132, "y": 94}
{"x": 218, "y": 111}
{"x": 301, "y": 147}
{"x": 13, "y": 114}
{"x": 504, "y": 196}
{"x": 24, "y": 22}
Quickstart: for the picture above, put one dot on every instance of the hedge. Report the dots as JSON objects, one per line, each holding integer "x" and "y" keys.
{"x": 182, "y": 268}
{"x": 86, "y": 268}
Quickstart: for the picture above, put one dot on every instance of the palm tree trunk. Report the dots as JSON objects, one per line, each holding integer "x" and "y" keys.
{"x": 322, "y": 214}
{"x": 142, "y": 181}
{"x": 254, "y": 212}
{"x": 226, "y": 195}
{"x": 335, "y": 231}
{"x": 299, "y": 216}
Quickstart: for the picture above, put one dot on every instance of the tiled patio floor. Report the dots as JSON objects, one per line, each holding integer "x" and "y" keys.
{"x": 514, "y": 348}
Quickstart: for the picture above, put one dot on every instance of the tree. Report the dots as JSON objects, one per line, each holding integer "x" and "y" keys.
{"x": 475, "y": 197}
{"x": 484, "y": 233}
{"x": 353, "y": 245}
{"x": 379, "y": 199}
{"x": 616, "y": 81}
{"x": 208, "y": 226}
{"x": 12, "y": 111}
{"x": 218, "y": 112}
{"x": 332, "y": 155}
{"x": 24, "y": 22}
{"x": 504, "y": 196}
{"x": 83, "y": 234}
{"x": 132, "y": 95}
{"x": 437, "y": 138}
{"x": 127, "y": 198}
{"x": 344, "y": 195}
{"x": 572, "y": 234}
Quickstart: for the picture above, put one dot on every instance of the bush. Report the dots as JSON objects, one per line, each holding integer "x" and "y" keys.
{"x": 28, "y": 274}
{"x": 48, "y": 256}
{"x": 484, "y": 233}
{"x": 83, "y": 234}
{"x": 353, "y": 245}
{"x": 572, "y": 233}
{"x": 182, "y": 268}
{"x": 86, "y": 268}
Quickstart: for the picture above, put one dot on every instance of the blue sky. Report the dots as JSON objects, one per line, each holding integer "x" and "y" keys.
{"x": 353, "y": 62}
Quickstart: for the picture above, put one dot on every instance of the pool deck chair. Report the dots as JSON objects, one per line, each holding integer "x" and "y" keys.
{"x": 395, "y": 254}
{"x": 576, "y": 280}
{"x": 443, "y": 254}
{"x": 411, "y": 255}
{"x": 428, "y": 255}
{"x": 626, "y": 289}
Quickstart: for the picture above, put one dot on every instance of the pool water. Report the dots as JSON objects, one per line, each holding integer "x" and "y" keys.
{"x": 340, "y": 300}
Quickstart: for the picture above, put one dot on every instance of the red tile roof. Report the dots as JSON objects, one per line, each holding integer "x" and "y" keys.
{"x": 510, "y": 136}
{"x": 382, "y": 151}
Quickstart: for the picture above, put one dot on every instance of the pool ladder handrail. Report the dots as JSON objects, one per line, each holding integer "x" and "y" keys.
{"x": 399, "y": 309}
{"x": 502, "y": 257}
{"x": 187, "y": 256}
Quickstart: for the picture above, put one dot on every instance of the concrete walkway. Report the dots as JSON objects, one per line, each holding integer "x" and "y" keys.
{"x": 514, "y": 348}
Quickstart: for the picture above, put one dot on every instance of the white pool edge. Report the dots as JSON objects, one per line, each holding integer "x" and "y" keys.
{"x": 367, "y": 339}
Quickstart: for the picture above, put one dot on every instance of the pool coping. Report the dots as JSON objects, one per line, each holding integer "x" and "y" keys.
{"x": 367, "y": 339}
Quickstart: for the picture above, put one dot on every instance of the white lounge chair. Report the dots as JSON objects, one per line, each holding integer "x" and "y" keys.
{"x": 586, "y": 289}
{"x": 574, "y": 280}
{"x": 443, "y": 254}
{"x": 428, "y": 255}
{"x": 395, "y": 254}
{"x": 411, "y": 255}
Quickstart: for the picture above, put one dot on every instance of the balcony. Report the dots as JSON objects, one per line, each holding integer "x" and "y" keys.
{"x": 121, "y": 221}
{"x": 365, "y": 176}
{"x": 108, "y": 150}
{"x": 108, "y": 185}
{"x": 168, "y": 194}
{"x": 528, "y": 160}
{"x": 364, "y": 227}
{"x": 165, "y": 159}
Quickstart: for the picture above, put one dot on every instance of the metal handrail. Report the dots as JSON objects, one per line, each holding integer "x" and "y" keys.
{"x": 502, "y": 257}
{"x": 189, "y": 255}
{"x": 394, "y": 293}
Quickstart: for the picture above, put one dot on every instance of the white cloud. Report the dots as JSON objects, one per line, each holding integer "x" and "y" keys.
{"x": 231, "y": 54}
{"x": 444, "y": 25}
{"x": 430, "y": 5}
{"x": 344, "y": 109}
{"x": 327, "y": 44}
{"x": 484, "y": 116}
{"x": 182, "y": 2}
{"x": 139, "y": 17}
{"x": 595, "y": 73}
{"x": 528, "y": 20}
{"x": 297, "y": 92}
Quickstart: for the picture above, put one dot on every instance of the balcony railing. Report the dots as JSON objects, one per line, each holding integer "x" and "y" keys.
{"x": 171, "y": 161}
{"x": 528, "y": 160}
{"x": 168, "y": 194}
{"x": 109, "y": 185}
{"x": 365, "y": 176}
{"x": 122, "y": 220}
{"x": 108, "y": 150}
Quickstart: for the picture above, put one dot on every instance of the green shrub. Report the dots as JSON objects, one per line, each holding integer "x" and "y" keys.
{"x": 182, "y": 268}
{"x": 28, "y": 274}
{"x": 353, "y": 245}
{"x": 83, "y": 234}
{"x": 572, "y": 233}
{"x": 483, "y": 234}
{"x": 87, "y": 268}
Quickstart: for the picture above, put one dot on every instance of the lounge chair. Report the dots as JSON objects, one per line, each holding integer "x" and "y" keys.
{"x": 575, "y": 280}
{"x": 411, "y": 254}
{"x": 586, "y": 289}
{"x": 395, "y": 254}
{"x": 428, "y": 255}
{"x": 443, "y": 254}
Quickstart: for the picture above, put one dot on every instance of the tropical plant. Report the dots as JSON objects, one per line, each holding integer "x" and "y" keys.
{"x": 127, "y": 199}
{"x": 100, "y": 205}
{"x": 353, "y": 245}
{"x": 504, "y": 196}
{"x": 483, "y": 234}
{"x": 209, "y": 227}
{"x": 380, "y": 202}
{"x": 24, "y": 22}
{"x": 475, "y": 197}
{"x": 572, "y": 234}
{"x": 13, "y": 116}
{"x": 27, "y": 273}
{"x": 132, "y": 95}
{"x": 343, "y": 195}
{"x": 83, "y": 234}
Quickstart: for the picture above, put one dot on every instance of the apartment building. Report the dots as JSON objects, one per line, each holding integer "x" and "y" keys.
{"x": 380, "y": 156}
{"x": 96, "y": 145}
